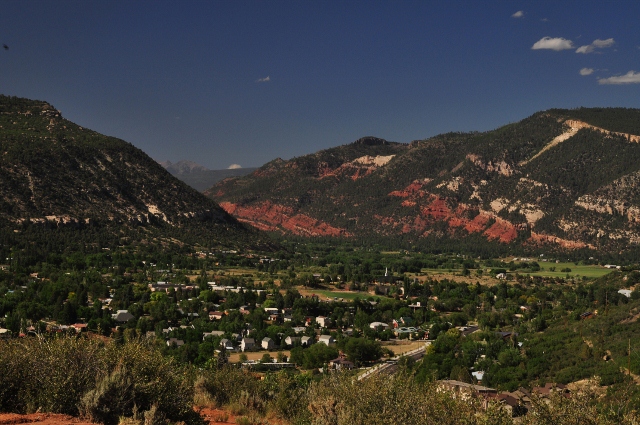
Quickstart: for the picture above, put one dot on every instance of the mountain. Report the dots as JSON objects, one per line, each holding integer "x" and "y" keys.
{"x": 56, "y": 175}
{"x": 198, "y": 176}
{"x": 566, "y": 179}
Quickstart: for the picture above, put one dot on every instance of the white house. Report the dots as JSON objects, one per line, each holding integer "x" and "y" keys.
{"x": 247, "y": 344}
{"x": 268, "y": 343}
{"x": 327, "y": 339}
{"x": 290, "y": 340}
{"x": 324, "y": 322}
{"x": 379, "y": 326}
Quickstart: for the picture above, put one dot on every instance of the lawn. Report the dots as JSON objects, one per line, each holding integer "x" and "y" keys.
{"x": 346, "y": 295}
{"x": 576, "y": 271}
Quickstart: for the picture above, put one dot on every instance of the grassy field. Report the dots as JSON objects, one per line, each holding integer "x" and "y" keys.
{"x": 576, "y": 271}
{"x": 345, "y": 295}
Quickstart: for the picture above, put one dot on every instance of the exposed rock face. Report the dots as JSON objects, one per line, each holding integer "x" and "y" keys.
{"x": 552, "y": 179}
{"x": 271, "y": 217}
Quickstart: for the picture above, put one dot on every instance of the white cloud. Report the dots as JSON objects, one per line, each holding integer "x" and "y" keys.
{"x": 585, "y": 49}
{"x": 263, "y": 80}
{"x": 586, "y": 71}
{"x": 630, "y": 77}
{"x": 234, "y": 167}
{"x": 556, "y": 44}
{"x": 597, "y": 44}
{"x": 602, "y": 44}
{"x": 518, "y": 14}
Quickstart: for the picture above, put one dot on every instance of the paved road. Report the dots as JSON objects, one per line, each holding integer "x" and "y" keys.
{"x": 391, "y": 366}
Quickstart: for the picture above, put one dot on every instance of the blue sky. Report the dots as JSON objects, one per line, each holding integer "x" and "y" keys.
{"x": 244, "y": 82}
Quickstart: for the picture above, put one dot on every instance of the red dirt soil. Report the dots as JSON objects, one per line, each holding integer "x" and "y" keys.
{"x": 211, "y": 416}
{"x": 40, "y": 419}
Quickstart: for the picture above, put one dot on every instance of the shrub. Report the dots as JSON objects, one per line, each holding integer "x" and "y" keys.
{"x": 103, "y": 380}
{"x": 111, "y": 399}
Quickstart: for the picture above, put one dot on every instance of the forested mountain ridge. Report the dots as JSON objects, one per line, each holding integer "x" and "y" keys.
{"x": 56, "y": 174}
{"x": 559, "y": 178}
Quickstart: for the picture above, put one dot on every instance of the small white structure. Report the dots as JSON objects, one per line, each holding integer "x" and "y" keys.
{"x": 247, "y": 344}
{"x": 291, "y": 340}
{"x": 268, "y": 343}
{"x": 625, "y": 292}
{"x": 379, "y": 326}
{"x": 324, "y": 322}
{"x": 328, "y": 340}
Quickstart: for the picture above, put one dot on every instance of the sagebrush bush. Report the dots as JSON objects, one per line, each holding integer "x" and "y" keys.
{"x": 111, "y": 399}
{"x": 103, "y": 380}
{"x": 398, "y": 399}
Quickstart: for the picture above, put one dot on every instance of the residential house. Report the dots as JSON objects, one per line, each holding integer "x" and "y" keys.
{"x": 292, "y": 340}
{"x": 324, "y": 322}
{"x": 379, "y": 326}
{"x": 247, "y": 344}
{"x": 306, "y": 341}
{"x": 274, "y": 317}
{"x": 341, "y": 363}
{"x": 216, "y": 315}
{"x": 212, "y": 334}
{"x": 79, "y": 327}
{"x": 122, "y": 316}
{"x": 268, "y": 344}
{"x": 465, "y": 390}
{"x": 227, "y": 344}
{"x": 327, "y": 339}
{"x": 175, "y": 341}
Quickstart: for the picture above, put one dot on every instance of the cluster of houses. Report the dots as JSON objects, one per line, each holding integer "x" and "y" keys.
{"x": 517, "y": 403}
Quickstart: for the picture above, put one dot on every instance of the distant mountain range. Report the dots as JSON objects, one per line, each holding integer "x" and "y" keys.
{"x": 566, "y": 179}
{"x": 55, "y": 174}
{"x": 198, "y": 176}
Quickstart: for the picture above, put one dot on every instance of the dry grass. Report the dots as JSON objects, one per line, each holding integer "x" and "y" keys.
{"x": 255, "y": 355}
{"x": 401, "y": 347}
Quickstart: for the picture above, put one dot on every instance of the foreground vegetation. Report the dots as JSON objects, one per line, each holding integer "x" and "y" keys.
{"x": 106, "y": 382}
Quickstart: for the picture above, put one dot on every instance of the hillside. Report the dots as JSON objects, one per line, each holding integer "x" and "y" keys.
{"x": 74, "y": 183}
{"x": 198, "y": 176}
{"x": 563, "y": 179}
